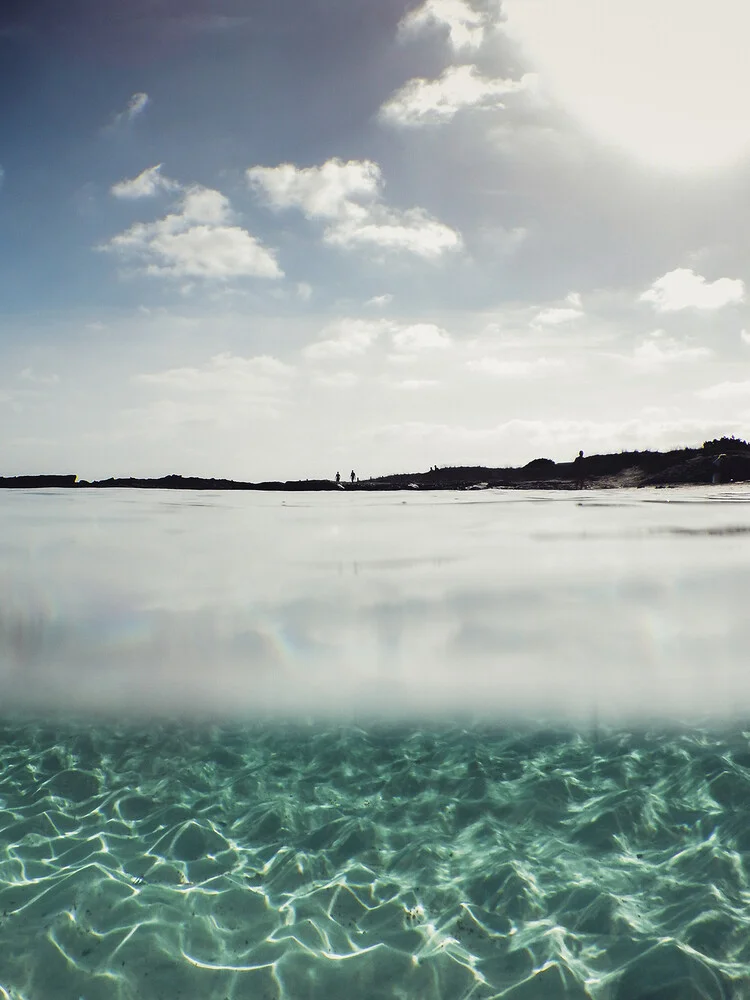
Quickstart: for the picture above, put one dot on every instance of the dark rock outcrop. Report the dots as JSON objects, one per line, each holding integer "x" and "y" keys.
{"x": 723, "y": 460}
{"x": 37, "y": 482}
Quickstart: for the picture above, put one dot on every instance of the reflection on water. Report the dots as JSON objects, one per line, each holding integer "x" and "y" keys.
{"x": 426, "y": 857}
{"x": 148, "y": 601}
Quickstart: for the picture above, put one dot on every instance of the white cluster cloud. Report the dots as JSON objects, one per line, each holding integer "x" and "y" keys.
{"x": 319, "y": 192}
{"x": 684, "y": 289}
{"x": 196, "y": 241}
{"x": 348, "y": 195}
{"x": 411, "y": 231}
{"x": 380, "y": 301}
{"x": 420, "y": 337}
{"x": 466, "y": 27}
{"x": 435, "y": 102}
{"x": 347, "y": 338}
{"x": 147, "y": 184}
{"x": 556, "y": 315}
{"x": 351, "y": 337}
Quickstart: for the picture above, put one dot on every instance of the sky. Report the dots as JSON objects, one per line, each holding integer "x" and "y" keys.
{"x": 276, "y": 239}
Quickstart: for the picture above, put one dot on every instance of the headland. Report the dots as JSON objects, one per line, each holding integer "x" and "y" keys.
{"x": 723, "y": 460}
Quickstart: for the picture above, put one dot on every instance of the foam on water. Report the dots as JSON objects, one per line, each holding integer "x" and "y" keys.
{"x": 374, "y": 861}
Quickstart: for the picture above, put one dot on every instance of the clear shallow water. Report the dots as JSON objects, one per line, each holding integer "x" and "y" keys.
{"x": 250, "y": 853}
{"x": 376, "y": 862}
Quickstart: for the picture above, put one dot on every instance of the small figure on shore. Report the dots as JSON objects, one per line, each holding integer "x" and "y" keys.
{"x": 353, "y": 477}
{"x": 581, "y": 477}
{"x": 338, "y": 477}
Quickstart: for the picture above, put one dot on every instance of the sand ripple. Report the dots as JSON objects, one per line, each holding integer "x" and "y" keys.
{"x": 435, "y": 864}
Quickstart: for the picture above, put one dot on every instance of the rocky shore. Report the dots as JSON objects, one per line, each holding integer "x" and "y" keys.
{"x": 724, "y": 460}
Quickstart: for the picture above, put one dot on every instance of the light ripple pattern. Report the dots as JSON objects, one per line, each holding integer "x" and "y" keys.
{"x": 374, "y": 861}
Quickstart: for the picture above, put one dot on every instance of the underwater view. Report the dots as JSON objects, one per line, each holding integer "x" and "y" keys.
{"x": 380, "y": 861}
{"x": 424, "y": 747}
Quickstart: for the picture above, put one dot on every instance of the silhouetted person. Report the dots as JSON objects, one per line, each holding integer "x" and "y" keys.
{"x": 580, "y": 474}
{"x": 338, "y": 477}
{"x": 353, "y": 477}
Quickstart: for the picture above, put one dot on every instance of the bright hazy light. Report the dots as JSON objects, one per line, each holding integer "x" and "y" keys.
{"x": 668, "y": 80}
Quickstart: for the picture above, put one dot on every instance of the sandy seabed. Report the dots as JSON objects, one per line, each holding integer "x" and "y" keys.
{"x": 306, "y": 862}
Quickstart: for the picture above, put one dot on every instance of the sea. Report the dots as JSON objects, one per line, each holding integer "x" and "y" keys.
{"x": 375, "y": 746}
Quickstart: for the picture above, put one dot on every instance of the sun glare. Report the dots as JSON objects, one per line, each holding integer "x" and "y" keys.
{"x": 666, "y": 80}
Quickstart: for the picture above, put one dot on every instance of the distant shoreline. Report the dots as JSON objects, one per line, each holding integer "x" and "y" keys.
{"x": 723, "y": 460}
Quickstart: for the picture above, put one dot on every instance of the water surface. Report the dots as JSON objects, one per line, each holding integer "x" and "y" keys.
{"x": 408, "y": 746}
{"x": 397, "y": 602}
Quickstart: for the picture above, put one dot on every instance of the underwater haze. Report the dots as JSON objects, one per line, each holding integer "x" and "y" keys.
{"x": 395, "y": 746}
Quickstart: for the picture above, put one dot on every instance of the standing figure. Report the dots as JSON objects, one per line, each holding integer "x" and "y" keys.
{"x": 338, "y": 477}
{"x": 353, "y": 477}
{"x": 581, "y": 477}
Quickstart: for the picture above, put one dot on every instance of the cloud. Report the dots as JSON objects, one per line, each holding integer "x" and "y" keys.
{"x": 465, "y": 26}
{"x": 514, "y": 368}
{"x": 338, "y": 380}
{"x": 137, "y": 105}
{"x": 319, "y": 192}
{"x": 662, "y": 350}
{"x": 304, "y": 291}
{"x": 683, "y": 289}
{"x": 135, "y": 108}
{"x": 434, "y": 102}
{"x": 413, "y": 231}
{"x": 29, "y": 375}
{"x": 348, "y": 195}
{"x": 420, "y": 337}
{"x": 414, "y": 384}
{"x": 379, "y": 301}
{"x": 347, "y": 338}
{"x": 555, "y": 315}
{"x": 725, "y": 390}
{"x": 225, "y": 373}
{"x": 556, "y": 438}
{"x": 353, "y": 337}
{"x": 745, "y": 336}
{"x": 197, "y": 241}
{"x": 221, "y": 394}
{"x": 148, "y": 183}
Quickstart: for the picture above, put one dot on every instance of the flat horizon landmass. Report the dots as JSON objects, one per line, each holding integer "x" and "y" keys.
{"x": 722, "y": 460}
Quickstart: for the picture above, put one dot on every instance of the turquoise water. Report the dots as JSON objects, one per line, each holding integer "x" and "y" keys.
{"x": 194, "y": 834}
{"x": 374, "y": 861}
